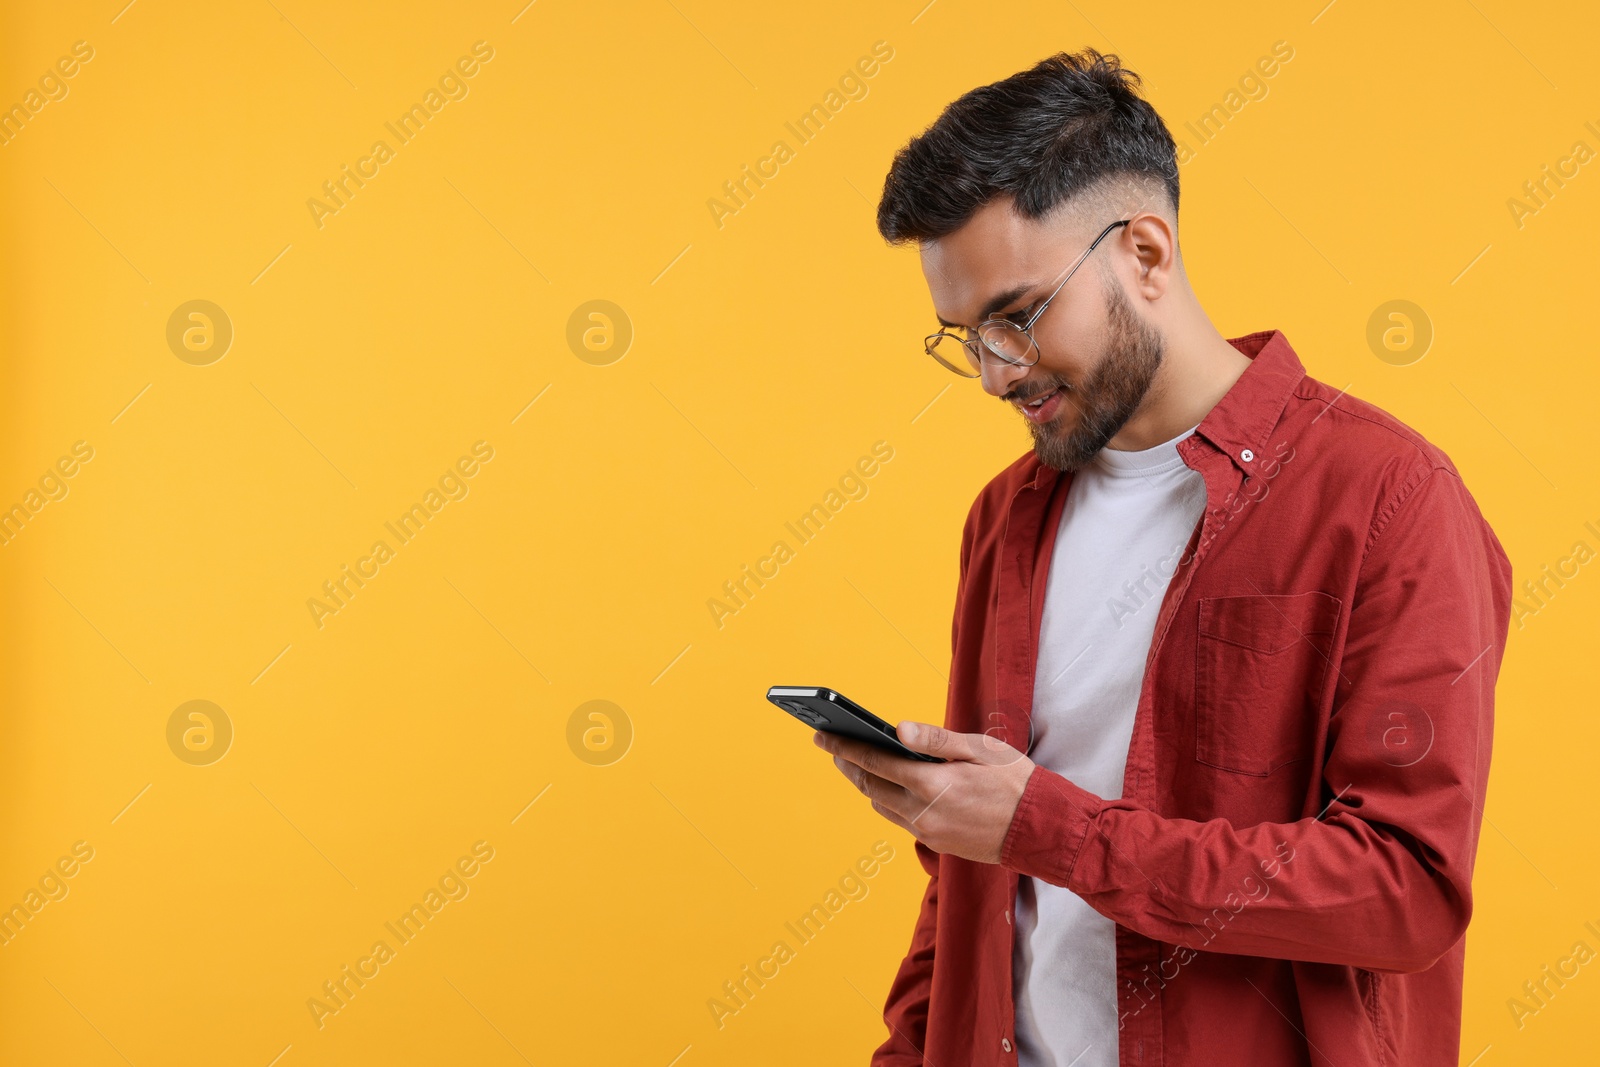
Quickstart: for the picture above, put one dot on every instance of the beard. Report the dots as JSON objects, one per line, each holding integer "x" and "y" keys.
{"x": 1107, "y": 399}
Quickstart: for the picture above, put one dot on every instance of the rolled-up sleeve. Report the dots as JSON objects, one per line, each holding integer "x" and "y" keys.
{"x": 1381, "y": 877}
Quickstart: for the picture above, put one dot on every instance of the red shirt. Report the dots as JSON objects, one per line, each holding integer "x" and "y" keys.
{"x": 1290, "y": 864}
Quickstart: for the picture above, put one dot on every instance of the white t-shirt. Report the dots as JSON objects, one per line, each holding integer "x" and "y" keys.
{"x": 1125, "y": 523}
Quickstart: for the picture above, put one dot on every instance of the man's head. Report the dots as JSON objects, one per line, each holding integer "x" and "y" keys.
{"x": 1004, "y": 193}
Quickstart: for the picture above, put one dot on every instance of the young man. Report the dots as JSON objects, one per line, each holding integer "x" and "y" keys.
{"x": 1224, "y": 650}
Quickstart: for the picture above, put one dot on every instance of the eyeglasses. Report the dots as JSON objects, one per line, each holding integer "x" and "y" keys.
{"x": 1001, "y": 339}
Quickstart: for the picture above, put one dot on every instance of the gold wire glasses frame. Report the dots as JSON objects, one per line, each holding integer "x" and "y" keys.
{"x": 1005, "y": 341}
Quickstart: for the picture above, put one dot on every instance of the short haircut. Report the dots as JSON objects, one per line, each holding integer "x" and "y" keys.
{"x": 1063, "y": 127}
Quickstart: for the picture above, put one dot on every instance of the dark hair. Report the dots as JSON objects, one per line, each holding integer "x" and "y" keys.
{"x": 1041, "y": 136}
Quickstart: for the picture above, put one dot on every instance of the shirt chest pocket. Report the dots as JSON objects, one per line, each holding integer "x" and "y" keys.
{"x": 1260, "y": 665}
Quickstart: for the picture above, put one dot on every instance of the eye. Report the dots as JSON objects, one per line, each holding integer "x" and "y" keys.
{"x": 1017, "y": 318}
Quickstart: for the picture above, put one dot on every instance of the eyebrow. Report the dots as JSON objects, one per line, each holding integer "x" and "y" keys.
{"x": 1010, "y": 296}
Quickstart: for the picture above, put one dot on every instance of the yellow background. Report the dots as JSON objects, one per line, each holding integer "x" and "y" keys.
{"x": 768, "y": 355}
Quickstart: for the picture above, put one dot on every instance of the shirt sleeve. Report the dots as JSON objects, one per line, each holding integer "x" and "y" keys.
{"x": 1381, "y": 878}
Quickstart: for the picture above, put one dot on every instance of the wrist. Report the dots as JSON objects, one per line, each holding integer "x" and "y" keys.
{"x": 1048, "y": 828}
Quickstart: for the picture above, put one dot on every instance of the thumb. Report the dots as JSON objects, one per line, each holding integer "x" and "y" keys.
{"x": 926, "y": 738}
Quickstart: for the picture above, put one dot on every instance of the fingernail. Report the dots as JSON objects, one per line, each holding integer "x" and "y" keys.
{"x": 908, "y": 732}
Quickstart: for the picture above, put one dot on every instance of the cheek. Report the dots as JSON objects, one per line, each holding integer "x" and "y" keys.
{"x": 1072, "y": 342}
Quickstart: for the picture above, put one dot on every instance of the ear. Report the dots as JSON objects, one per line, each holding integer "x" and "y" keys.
{"x": 1155, "y": 249}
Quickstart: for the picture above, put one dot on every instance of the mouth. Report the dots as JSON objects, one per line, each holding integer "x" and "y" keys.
{"x": 1042, "y": 408}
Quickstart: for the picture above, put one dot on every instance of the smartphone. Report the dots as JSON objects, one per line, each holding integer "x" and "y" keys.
{"x": 834, "y": 713}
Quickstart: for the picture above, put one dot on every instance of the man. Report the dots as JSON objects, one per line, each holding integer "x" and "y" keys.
{"x": 1224, "y": 650}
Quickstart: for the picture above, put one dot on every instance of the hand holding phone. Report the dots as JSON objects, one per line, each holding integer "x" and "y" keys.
{"x": 834, "y": 713}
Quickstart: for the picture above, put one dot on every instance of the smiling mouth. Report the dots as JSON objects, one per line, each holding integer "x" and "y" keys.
{"x": 1044, "y": 407}
{"x": 1038, "y": 401}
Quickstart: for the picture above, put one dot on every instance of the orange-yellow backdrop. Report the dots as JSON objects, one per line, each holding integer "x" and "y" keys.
{"x": 376, "y": 340}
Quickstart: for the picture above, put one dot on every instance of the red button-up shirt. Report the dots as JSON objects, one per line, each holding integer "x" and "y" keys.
{"x": 1290, "y": 864}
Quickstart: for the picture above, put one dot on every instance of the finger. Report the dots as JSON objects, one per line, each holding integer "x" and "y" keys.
{"x": 898, "y": 769}
{"x": 884, "y": 794}
{"x": 952, "y": 745}
{"x": 895, "y": 817}
{"x": 934, "y": 740}
{"x": 995, "y": 751}
{"x": 924, "y": 737}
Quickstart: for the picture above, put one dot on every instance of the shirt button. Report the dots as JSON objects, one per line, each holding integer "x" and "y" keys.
{"x": 1247, "y": 455}
{"x": 1005, "y": 1043}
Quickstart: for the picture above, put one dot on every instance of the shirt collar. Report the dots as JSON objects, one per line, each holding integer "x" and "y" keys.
{"x": 1252, "y": 406}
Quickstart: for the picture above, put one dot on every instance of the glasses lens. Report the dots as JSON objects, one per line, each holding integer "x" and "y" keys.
{"x": 949, "y": 350}
{"x": 1008, "y": 341}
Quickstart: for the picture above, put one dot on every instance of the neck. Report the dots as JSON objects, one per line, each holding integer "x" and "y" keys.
{"x": 1198, "y": 367}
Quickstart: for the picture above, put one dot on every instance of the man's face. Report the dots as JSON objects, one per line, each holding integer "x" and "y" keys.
{"x": 1097, "y": 358}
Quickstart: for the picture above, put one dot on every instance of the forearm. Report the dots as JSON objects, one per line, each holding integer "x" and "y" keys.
{"x": 1381, "y": 877}
{"x": 1331, "y": 890}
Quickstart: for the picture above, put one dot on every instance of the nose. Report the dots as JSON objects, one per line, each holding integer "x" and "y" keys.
{"x": 999, "y": 377}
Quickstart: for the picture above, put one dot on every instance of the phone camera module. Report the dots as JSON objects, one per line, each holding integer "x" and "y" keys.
{"x": 806, "y": 715}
